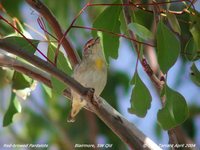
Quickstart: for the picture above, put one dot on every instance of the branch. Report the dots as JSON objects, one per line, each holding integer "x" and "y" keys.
{"x": 39, "y": 75}
{"x": 146, "y": 66}
{"x": 46, "y": 13}
{"x": 149, "y": 71}
{"x": 183, "y": 137}
{"x": 113, "y": 33}
{"x": 43, "y": 65}
{"x": 125, "y": 130}
{"x": 29, "y": 70}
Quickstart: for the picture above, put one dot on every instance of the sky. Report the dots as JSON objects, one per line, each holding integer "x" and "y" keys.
{"x": 126, "y": 55}
{"x": 147, "y": 125}
{"x": 187, "y": 88}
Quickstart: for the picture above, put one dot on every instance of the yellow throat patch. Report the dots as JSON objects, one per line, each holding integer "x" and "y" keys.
{"x": 99, "y": 64}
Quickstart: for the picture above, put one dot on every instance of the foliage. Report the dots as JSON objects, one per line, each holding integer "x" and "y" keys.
{"x": 168, "y": 47}
{"x": 110, "y": 42}
{"x": 140, "y": 101}
{"x": 174, "y": 36}
{"x": 175, "y": 111}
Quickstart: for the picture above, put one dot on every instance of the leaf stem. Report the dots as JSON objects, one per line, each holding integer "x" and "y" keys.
{"x": 46, "y": 13}
{"x": 117, "y": 34}
{"x": 115, "y": 121}
{"x": 1, "y": 17}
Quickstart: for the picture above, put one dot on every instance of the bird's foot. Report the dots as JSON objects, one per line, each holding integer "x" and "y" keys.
{"x": 94, "y": 101}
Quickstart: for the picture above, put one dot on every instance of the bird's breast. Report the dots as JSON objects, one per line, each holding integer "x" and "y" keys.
{"x": 99, "y": 64}
{"x": 92, "y": 73}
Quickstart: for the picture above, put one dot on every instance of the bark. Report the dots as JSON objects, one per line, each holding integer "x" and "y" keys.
{"x": 125, "y": 130}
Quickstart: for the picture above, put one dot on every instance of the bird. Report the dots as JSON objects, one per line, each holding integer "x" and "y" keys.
{"x": 91, "y": 72}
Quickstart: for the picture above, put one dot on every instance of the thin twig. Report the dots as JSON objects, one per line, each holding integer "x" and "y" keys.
{"x": 43, "y": 27}
{"x": 125, "y": 130}
{"x": 29, "y": 70}
{"x": 46, "y": 13}
{"x": 142, "y": 59}
{"x": 10, "y": 24}
{"x": 70, "y": 26}
{"x": 138, "y": 4}
{"x": 34, "y": 30}
{"x": 113, "y": 33}
{"x": 45, "y": 66}
{"x": 171, "y": 132}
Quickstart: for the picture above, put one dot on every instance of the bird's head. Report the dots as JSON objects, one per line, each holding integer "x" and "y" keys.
{"x": 92, "y": 47}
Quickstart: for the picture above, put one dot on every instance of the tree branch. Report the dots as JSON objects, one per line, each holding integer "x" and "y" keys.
{"x": 146, "y": 66}
{"x": 46, "y": 13}
{"x": 43, "y": 65}
{"x": 39, "y": 75}
{"x": 125, "y": 130}
{"x": 29, "y": 70}
{"x": 6, "y": 61}
{"x": 159, "y": 84}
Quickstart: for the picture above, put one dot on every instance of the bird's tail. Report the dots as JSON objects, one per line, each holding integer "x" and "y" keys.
{"x": 77, "y": 104}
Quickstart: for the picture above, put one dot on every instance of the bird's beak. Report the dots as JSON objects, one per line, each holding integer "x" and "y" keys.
{"x": 97, "y": 40}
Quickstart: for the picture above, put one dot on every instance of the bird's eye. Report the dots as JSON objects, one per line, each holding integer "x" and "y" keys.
{"x": 89, "y": 44}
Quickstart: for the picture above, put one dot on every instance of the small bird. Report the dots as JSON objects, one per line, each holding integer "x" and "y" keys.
{"x": 91, "y": 72}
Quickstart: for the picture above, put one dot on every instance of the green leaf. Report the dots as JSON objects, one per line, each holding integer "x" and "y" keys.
{"x": 5, "y": 29}
{"x": 191, "y": 51}
{"x": 174, "y": 23}
{"x": 6, "y": 76}
{"x": 195, "y": 33}
{"x": 62, "y": 13}
{"x": 168, "y": 47}
{"x": 140, "y": 97}
{"x": 141, "y": 31}
{"x": 175, "y": 111}
{"x": 62, "y": 64}
{"x": 109, "y": 20}
{"x": 195, "y": 29}
{"x": 180, "y": 7}
{"x": 22, "y": 85}
{"x": 14, "y": 107}
{"x": 143, "y": 18}
{"x": 22, "y": 43}
{"x": 21, "y": 81}
{"x": 195, "y": 74}
{"x": 57, "y": 85}
{"x": 47, "y": 90}
{"x": 119, "y": 79}
{"x": 12, "y": 9}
